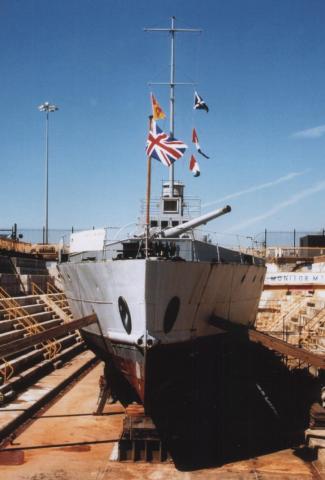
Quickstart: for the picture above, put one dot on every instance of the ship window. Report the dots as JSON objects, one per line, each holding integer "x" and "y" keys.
{"x": 170, "y": 206}
{"x": 153, "y": 223}
{"x": 175, "y": 223}
{"x": 164, "y": 224}
{"x": 125, "y": 314}
{"x": 171, "y": 314}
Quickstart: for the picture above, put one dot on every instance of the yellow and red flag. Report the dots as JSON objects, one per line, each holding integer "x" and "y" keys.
{"x": 157, "y": 111}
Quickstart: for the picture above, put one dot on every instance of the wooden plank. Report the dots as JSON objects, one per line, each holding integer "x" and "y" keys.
{"x": 273, "y": 343}
{"x": 285, "y": 348}
{"x": 18, "y": 345}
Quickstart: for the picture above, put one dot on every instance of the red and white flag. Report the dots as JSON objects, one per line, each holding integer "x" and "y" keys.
{"x": 195, "y": 140}
{"x": 194, "y": 167}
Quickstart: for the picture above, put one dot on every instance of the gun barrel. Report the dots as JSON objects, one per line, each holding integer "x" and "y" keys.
{"x": 195, "y": 222}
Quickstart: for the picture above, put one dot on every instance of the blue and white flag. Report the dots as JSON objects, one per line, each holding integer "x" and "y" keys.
{"x": 199, "y": 103}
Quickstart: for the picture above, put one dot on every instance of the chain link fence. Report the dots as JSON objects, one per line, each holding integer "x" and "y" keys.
{"x": 291, "y": 238}
{"x": 37, "y": 235}
{"x": 55, "y": 235}
{"x": 265, "y": 239}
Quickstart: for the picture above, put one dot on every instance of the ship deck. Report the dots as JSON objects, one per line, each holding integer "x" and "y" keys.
{"x": 66, "y": 441}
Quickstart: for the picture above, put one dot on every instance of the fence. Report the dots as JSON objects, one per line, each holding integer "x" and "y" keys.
{"x": 36, "y": 235}
{"x": 261, "y": 240}
{"x": 291, "y": 238}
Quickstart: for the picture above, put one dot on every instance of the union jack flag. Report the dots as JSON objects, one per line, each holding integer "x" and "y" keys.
{"x": 162, "y": 147}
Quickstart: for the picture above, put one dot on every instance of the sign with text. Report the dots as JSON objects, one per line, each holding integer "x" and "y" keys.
{"x": 295, "y": 278}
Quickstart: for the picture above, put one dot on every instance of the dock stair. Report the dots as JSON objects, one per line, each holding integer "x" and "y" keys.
{"x": 298, "y": 319}
{"x": 24, "y": 317}
{"x": 18, "y": 274}
{"x": 31, "y": 271}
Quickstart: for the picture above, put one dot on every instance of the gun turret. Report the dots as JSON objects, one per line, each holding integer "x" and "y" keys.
{"x": 195, "y": 222}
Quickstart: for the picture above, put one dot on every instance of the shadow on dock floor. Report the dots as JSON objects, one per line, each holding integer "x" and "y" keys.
{"x": 227, "y": 399}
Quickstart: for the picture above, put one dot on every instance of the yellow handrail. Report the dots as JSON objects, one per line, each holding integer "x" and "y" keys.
{"x": 3, "y": 371}
{"x": 57, "y": 302}
{"x": 28, "y": 323}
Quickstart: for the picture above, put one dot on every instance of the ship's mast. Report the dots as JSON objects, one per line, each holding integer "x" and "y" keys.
{"x": 172, "y": 30}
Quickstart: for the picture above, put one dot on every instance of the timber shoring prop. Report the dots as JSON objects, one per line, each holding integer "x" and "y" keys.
{"x": 285, "y": 348}
{"x": 273, "y": 343}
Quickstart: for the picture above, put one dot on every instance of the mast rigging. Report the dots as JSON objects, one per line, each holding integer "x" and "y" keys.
{"x": 172, "y": 30}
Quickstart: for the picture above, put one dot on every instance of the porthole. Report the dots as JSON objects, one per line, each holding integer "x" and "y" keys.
{"x": 171, "y": 314}
{"x": 125, "y": 314}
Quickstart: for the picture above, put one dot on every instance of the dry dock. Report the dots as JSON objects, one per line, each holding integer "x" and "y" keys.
{"x": 65, "y": 441}
{"x": 48, "y": 430}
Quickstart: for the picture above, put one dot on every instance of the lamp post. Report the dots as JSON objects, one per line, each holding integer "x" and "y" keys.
{"x": 47, "y": 108}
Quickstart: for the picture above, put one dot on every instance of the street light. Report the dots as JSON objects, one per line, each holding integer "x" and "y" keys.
{"x": 47, "y": 107}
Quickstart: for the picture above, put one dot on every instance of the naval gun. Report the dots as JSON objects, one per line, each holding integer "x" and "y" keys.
{"x": 173, "y": 232}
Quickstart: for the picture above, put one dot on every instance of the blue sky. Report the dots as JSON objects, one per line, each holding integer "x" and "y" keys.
{"x": 259, "y": 64}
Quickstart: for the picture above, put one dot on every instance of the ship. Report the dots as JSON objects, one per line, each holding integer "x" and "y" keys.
{"x": 162, "y": 294}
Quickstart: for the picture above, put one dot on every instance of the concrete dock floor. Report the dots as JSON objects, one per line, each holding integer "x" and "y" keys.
{"x": 67, "y": 442}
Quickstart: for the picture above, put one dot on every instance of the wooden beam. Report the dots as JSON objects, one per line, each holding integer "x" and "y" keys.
{"x": 280, "y": 346}
{"x": 18, "y": 345}
{"x": 273, "y": 343}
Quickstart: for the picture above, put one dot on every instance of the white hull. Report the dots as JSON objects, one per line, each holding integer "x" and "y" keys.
{"x": 204, "y": 290}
